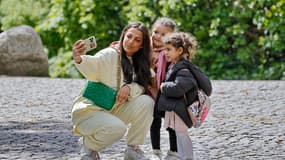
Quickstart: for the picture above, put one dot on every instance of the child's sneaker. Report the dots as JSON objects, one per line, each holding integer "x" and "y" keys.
{"x": 134, "y": 153}
{"x": 172, "y": 156}
{"x": 157, "y": 153}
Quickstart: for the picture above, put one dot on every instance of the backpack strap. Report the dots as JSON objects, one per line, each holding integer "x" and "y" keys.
{"x": 202, "y": 79}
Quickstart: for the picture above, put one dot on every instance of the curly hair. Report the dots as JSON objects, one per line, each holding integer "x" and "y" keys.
{"x": 185, "y": 40}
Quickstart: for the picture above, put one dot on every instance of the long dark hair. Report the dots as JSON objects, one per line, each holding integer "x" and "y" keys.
{"x": 141, "y": 59}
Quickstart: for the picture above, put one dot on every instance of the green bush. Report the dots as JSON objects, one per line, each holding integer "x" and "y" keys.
{"x": 237, "y": 39}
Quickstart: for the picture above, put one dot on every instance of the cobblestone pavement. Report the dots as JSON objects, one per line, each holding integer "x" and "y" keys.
{"x": 247, "y": 121}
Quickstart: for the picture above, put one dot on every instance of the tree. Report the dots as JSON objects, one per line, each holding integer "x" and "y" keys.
{"x": 237, "y": 39}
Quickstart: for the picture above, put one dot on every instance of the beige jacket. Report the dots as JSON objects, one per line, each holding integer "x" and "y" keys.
{"x": 102, "y": 67}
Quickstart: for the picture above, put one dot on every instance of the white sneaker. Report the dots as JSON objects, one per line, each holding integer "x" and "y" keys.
{"x": 86, "y": 153}
{"x": 172, "y": 156}
{"x": 158, "y": 154}
{"x": 86, "y": 157}
{"x": 134, "y": 153}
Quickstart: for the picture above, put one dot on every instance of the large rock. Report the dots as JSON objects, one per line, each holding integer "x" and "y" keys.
{"x": 22, "y": 53}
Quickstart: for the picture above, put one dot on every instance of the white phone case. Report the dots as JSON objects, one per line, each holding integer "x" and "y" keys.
{"x": 90, "y": 43}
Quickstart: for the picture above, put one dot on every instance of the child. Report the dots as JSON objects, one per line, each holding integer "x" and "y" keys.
{"x": 180, "y": 86}
{"x": 160, "y": 28}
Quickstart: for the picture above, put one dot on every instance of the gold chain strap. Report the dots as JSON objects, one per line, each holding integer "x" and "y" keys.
{"x": 118, "y": 68}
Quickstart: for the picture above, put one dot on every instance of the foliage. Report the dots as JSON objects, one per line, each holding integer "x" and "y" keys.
{"x": 69, "y": 21}
{"x": 62, "y": 66}
{"x": 18, "y": 12}
{"x": 238, "y": 39}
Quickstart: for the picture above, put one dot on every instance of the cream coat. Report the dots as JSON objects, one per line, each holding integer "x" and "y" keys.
{"x": 102, "y": 67}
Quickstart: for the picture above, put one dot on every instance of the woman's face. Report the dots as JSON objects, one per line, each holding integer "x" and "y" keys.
{"x": 158, "y": 31}
{"x": 133, "y": 41}
{"x": 172, "y": 54}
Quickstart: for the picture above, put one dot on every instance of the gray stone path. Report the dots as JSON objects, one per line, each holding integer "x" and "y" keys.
{"x": 247, "y": 121}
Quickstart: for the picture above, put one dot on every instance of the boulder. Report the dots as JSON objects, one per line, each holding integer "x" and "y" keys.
{"x": 22, "y": 53}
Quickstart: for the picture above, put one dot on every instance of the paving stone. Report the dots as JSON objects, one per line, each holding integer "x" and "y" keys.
{"x": 246, "y": 121}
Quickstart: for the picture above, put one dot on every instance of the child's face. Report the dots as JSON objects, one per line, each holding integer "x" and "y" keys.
{"x": 172, "y": 54}
{"x": 158, "y": 31}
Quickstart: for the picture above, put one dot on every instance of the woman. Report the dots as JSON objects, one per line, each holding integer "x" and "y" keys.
{"x": 100, "y": 128}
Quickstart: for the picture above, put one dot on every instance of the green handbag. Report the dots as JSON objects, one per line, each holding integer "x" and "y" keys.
{"x": 101, "y": 94}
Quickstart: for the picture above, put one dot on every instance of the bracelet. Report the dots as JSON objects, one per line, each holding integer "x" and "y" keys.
{"x": 127, "y": 86}
{"x": 77, "y": 60}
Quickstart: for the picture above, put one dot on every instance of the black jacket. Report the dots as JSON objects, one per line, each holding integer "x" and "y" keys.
{"x": 184, "y": 79}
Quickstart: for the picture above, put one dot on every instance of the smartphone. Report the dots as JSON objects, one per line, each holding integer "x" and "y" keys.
{"x": 90, "y": 43}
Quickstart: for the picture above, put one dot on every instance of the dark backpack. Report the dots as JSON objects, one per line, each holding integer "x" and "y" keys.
{"x": 202, "y": 79}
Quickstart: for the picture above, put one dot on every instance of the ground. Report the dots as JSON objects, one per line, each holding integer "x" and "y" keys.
{"x": 246, "y": 121}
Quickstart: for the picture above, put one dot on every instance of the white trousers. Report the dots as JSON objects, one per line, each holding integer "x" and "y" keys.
{"x": 101, "y": 128}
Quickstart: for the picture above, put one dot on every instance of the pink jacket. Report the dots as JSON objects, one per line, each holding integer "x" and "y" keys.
{"x": 161, "y": 71}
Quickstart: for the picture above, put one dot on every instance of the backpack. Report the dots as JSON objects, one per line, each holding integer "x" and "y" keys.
{"x": 199, "y": 109}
